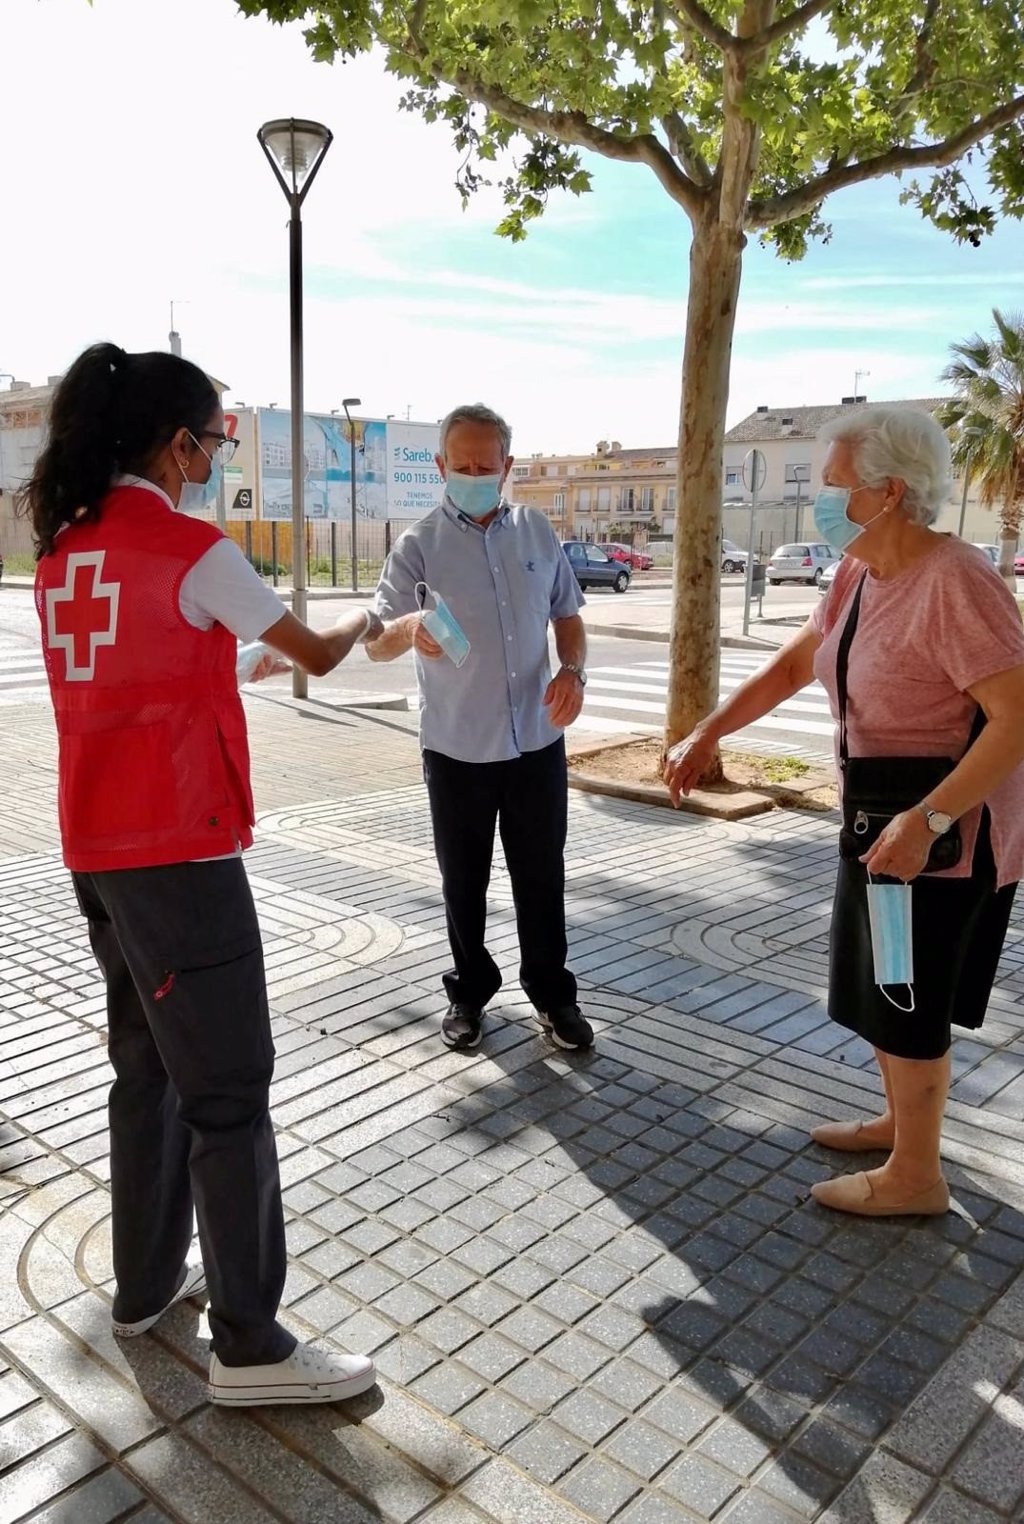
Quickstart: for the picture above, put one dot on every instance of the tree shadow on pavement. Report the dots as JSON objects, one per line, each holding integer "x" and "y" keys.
{"x": 786, "y": 1340}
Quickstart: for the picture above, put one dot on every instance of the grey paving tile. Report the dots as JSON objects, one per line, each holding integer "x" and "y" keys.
{"x": 598, "y": 1489}
{"x": 992, "y": 1466}
{"x": 935, "y": 1427}
{"x": 448, "y": 1387}
{"x": 699, "y": 1484}
{"x": 546, "y": 1452}
{"x": 284, "y": 1480}
{"x": 514, "y": 1499}
{"x": 41, "y": 1476}
{"x": 496, "y": 1419}
{"x": 884, "y": 1492}
{"x": 105, "y": 1496}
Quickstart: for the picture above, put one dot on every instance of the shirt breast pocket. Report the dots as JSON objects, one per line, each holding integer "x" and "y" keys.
{"x": 536, "y": 580}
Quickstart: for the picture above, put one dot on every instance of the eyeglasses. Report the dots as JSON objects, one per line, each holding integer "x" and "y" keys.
{"x": 226, "y": 446}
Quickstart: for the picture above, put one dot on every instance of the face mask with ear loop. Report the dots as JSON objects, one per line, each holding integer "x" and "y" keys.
{"x": 832, "y": 521}
{"x": 892, "y": 937}
{"x": 195, "y": 496}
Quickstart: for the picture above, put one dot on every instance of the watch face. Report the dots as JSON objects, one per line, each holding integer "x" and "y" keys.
{"x": 939, "y": 823}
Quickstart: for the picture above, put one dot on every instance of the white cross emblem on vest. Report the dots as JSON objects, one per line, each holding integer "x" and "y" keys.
{"x": 81, "y": 616}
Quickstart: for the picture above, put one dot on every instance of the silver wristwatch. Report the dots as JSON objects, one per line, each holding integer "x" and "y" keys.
{"x": 938, "y": 822}
{"x": 571, "y": 666}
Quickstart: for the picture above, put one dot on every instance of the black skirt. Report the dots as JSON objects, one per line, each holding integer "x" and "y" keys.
{"x": 959, "y": 927}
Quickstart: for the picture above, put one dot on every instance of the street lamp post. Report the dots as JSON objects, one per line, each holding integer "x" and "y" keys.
{"x": 295, "y": 150}
{"x": 346, "y": 403}
{"x": 974, "y": 434}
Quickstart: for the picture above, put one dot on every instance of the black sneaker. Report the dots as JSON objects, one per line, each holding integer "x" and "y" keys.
{"x": 462, "y": 1026}
{"x": 567, "y": 1026}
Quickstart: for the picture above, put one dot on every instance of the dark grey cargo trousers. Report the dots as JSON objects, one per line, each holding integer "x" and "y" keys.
{"x": 190, "y": 1044}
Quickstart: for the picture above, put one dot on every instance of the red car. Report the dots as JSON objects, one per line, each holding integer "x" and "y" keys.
{"x": 638, "y": 559}
{"x": 1018, "y": 563}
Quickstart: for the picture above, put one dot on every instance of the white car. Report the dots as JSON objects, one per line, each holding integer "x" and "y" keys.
{"x": 827, "y": 578}
{"x": 733, "y": 558}
{"x": 806, "y": 562}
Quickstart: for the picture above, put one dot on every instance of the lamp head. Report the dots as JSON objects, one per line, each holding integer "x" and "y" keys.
{"x": 295, "y": 150}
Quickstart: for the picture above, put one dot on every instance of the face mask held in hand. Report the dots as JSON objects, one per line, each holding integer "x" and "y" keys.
{"x": 892, "y": 940}
{"x": 832, "y": 521}
{"x": 443, "y": 625}
{"x": 475, "y": 496}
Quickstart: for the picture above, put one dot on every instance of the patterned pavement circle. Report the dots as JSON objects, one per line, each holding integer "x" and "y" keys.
{"x": 594, "y": 1283}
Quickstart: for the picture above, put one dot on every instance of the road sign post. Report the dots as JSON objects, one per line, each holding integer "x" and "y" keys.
{"x": 754, "y": 471}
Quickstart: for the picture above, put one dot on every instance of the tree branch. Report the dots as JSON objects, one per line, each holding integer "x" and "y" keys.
{"x": 694, "y": 15}
{"x": 924, "y": 66}
{"x": 681, "y": 143}
{"x": 570, "y": 127}
{"x": 784, "y": 27}
{"x": 796, "y": 203}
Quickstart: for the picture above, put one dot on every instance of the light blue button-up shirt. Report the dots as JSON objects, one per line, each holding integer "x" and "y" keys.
{"x": 503, "y": 584}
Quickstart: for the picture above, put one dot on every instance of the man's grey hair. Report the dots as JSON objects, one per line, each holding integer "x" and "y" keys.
{"x": 898, "y": 442}
{"x": 476, "y": 412}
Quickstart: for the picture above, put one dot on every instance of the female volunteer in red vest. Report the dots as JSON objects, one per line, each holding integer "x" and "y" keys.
{"x": 140, "y": 607}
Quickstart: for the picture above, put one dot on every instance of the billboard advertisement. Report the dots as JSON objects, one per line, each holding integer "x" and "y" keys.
{"x": 395, "y": 474}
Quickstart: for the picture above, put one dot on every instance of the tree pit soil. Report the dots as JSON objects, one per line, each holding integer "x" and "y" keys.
{"x": 789, "y": 782}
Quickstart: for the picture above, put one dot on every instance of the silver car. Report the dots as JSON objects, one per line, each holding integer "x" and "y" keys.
{"x": 733, "y": 558}
{"x": 806, "y": 562}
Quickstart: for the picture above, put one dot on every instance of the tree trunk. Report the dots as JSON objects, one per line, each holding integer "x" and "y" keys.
{"x": 716, "y": 256}
{"x": 1009, "y": 532}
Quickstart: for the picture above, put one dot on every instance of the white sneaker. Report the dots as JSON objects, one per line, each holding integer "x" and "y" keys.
{"x": 308, "y": 1375}
{"x": 194, "y": 1285}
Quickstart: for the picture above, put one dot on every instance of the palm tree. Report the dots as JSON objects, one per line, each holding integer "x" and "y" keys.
{"x": 985, "y": 421}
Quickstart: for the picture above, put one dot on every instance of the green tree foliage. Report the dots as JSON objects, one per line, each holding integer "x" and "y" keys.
{"x": 985, "y": 419}
{"x": 750, "y": 113}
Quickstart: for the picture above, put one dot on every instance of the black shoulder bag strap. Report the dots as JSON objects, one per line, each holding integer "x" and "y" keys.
{"x": 842, "y": 663}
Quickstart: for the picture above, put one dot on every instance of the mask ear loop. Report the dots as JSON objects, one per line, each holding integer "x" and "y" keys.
{"x": 906, "y": 1010}
{"x": 421, "y": 598}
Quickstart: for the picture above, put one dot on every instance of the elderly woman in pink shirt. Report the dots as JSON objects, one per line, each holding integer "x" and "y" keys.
{"x": 935, "y": 637}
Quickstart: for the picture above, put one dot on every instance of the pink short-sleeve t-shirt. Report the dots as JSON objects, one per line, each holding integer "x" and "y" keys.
{"x": 923, "y": 639}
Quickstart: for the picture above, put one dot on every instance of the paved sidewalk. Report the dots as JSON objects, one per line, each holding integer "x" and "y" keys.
{"x": 594, "y": 1284}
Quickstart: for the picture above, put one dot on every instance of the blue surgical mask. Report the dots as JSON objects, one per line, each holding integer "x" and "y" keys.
{"x": 475, "y": 496}
{"x": 195, "y": 496}
{"x": 892, "y": 937}
{"x": 832, "y": 521}
{"x": 445, "y": 628}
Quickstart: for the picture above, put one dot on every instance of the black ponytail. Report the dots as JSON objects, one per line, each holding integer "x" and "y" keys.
{"x": 111, "y": 414}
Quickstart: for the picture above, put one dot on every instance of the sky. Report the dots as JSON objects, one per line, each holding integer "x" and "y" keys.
{"x": 132, "y": 178}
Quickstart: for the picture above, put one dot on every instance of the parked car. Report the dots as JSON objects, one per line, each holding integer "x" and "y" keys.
{"x": 1018, "y": 563}
{"x": 639, "y": 560}
{"x": 1, "y": 568}
{"x": 992, "y": 551}
{"x": 799, "y": 563}
{"x": 733, "y": 558}
{"x": 594, "y": 569}
{"x": 827, "y": 577}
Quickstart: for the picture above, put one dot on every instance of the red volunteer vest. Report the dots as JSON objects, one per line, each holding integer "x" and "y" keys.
{"x": 154, "y": 760}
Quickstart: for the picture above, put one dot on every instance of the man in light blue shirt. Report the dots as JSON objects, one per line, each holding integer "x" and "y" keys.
{"x": 492, "y": 727}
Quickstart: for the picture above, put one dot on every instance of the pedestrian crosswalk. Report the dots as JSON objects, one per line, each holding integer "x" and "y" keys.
{"x": 22, "y": 675}
{"x": 632, "y": 699}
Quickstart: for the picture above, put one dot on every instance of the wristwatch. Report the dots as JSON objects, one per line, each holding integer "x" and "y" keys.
{"x": 570, "y": 666}
{"x": 938, "y": 822}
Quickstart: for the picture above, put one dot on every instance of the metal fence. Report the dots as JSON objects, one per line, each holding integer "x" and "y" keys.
{"x": 267, "y": 545}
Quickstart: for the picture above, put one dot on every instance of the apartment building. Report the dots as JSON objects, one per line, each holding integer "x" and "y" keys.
{"x": 614, "y": 493}
{"x": 610, "y": 494}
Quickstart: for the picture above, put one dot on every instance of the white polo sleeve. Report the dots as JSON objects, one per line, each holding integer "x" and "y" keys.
{"x": 222, "y": 588}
